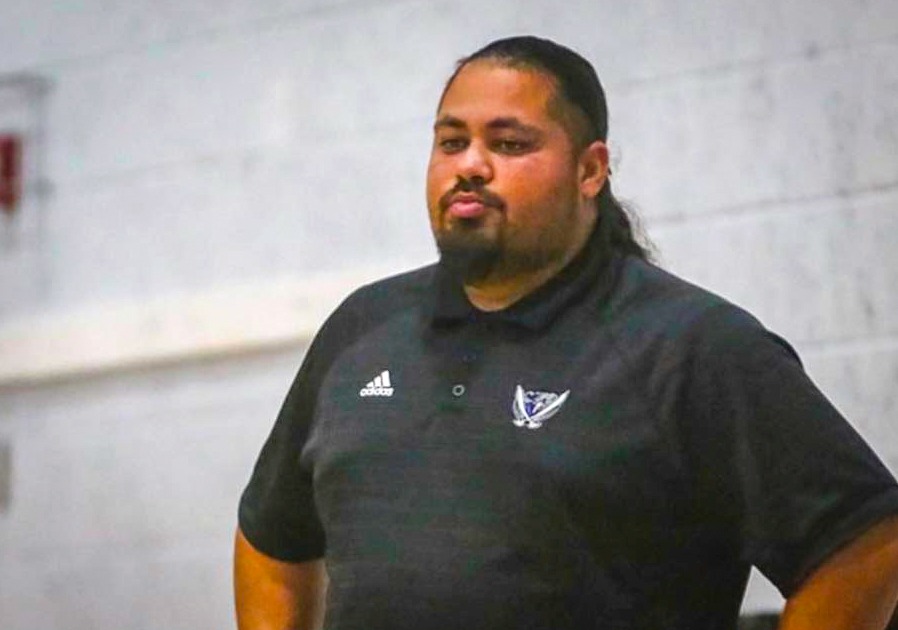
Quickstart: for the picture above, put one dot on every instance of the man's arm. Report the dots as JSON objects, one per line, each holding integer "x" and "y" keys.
{"x": 274, "y": 595}
{"x": 855, "y": 589}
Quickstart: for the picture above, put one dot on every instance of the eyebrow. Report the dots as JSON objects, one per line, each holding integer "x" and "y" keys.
{"x": 503, "y": 122}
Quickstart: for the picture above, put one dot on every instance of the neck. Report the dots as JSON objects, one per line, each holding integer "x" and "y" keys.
{"x": 497, "y": 292}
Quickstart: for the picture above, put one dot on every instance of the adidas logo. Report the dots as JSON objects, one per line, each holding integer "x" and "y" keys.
{"x": 380, "y": 386}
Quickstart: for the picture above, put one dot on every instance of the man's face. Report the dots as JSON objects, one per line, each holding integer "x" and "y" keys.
{"x": 503, "y": 187}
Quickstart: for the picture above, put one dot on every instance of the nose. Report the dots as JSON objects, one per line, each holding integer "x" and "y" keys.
{"x": 475, "y": 164}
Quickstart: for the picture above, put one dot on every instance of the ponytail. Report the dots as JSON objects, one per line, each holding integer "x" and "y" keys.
{"x": 619, "y": 229}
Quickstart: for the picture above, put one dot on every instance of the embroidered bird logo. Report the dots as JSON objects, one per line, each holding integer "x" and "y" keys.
{"x": 531, "y": 409}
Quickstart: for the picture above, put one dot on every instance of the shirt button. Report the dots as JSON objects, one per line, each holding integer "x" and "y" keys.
{"x": 458, "y": 390}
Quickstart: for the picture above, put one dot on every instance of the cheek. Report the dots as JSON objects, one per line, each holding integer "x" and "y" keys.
{"x": 438, "y": 178}
{"x": 437, "y": 184}
{"x": 533, "y": 187}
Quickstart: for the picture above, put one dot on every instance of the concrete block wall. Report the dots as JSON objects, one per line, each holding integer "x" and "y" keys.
{"x": 124, "y": 490}
{"x": 204, "y": 147}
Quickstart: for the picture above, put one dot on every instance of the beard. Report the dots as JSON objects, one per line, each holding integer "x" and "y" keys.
{"x": 468, "y": 255}
{"x": 476, "y": 256}
{"x": 485, "y": 249}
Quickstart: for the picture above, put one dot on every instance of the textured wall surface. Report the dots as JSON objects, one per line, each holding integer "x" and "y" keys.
{"x": 198, "y": 147}
{"x": 124, "y": 490}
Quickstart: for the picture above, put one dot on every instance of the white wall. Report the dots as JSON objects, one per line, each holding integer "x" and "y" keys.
{"x": 221, "y": 172}
{"x": 124, "y": 494}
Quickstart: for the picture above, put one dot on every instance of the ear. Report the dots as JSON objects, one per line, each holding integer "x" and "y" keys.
{"x": 592, "y": 169}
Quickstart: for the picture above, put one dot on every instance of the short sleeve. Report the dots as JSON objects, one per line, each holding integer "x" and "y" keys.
{"x": 277, "y": 511}
{"x": 776, "y": 463}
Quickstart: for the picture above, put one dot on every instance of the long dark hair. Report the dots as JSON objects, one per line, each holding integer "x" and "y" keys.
{"x": 579, "y": 86}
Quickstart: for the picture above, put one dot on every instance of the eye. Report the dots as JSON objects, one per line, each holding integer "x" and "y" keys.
{"x": 452, "y": 144}
{"x": 512, "y": 146}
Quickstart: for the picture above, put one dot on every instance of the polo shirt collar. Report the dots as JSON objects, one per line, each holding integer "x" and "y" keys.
{"x": 536, "y": 310}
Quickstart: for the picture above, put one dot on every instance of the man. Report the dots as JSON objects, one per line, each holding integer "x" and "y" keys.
{"x": 544, "y": 430}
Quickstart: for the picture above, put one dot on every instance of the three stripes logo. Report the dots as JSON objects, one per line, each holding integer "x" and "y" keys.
{"x": 380, "y": 386}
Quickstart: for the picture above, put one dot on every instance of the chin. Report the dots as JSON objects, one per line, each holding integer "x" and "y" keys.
{"x": 467, "y": 255}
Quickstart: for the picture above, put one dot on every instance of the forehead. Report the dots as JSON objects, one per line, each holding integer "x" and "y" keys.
{"x": 486, "y": 89}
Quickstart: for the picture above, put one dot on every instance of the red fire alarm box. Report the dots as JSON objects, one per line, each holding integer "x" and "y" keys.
{"x": 10, "y": 172}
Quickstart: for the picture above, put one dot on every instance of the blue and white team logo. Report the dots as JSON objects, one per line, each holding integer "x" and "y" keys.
{"x": 531, "y": 409}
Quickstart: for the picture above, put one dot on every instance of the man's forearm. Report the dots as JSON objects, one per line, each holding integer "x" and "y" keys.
{"x": 856, "y": 589}
{"x": 274, "y": 595}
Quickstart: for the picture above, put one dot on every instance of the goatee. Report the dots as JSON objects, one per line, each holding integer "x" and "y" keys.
{"x": 469, "y": 257}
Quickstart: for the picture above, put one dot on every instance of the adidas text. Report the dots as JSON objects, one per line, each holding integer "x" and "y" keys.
{"x": 376, "y": 391}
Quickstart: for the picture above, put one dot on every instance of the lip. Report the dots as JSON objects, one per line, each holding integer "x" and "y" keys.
{"x": 467, "y": 206}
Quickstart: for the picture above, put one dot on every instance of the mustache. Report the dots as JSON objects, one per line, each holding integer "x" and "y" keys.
{"x": 488, "y": 197}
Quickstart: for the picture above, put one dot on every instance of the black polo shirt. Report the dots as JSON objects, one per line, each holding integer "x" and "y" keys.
{"x": 613, "y": 451}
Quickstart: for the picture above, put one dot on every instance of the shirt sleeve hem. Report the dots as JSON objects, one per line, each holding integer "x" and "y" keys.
{"x": 838, "y": 535}
{"x": 267, "y": 544}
